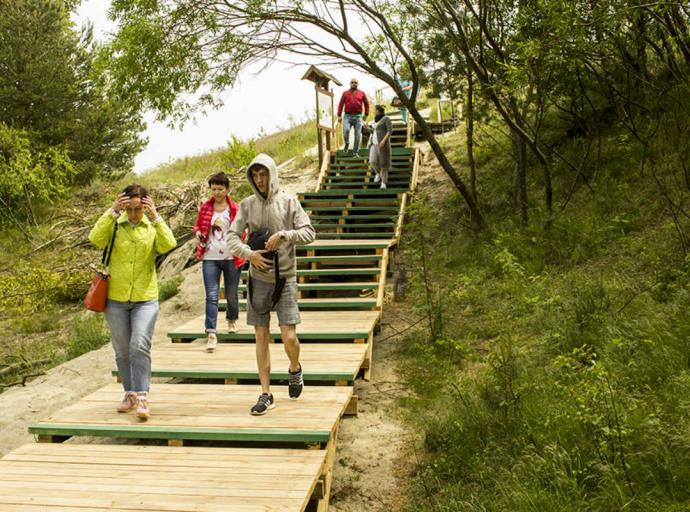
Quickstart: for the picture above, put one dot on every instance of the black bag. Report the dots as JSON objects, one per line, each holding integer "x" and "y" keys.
{"x": 257, "y": 242}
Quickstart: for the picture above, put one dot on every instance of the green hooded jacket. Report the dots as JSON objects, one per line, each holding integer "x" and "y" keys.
{"x": 133, "y": 261}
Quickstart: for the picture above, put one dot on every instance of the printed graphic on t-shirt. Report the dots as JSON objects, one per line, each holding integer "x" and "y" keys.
{"x": 217, "y": 240}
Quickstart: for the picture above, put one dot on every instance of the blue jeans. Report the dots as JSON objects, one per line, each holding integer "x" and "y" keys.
{"x": 131, "y": 328}
{"x": 211, "y": 270}
{"x": 352, "y": 121}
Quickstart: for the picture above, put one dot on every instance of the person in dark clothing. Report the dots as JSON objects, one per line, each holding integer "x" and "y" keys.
{"x": 380, "y": 151}
{"x": 356, "y": 106}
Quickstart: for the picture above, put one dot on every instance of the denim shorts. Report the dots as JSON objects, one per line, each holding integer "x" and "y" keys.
{"x": 258, "y": 308}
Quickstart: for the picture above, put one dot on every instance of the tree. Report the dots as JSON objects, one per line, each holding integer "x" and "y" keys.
{"x": 165, "y": 52}
{"x": 53, "y": 88}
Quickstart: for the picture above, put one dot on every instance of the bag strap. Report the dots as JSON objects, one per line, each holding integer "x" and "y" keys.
{"x": 280, "y": 283}
{"x": 108, "y": 250}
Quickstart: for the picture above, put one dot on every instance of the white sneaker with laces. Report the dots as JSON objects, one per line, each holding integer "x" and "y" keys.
{"x": 232, "y": 326}
{"x": 211, "y": 342}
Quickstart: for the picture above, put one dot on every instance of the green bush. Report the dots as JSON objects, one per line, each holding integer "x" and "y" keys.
{"x": 555, "y": 374}
{"x": 88, "y": 332}
{"x": 169, "y": 287}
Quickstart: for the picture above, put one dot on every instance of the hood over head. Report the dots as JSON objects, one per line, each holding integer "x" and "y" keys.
{"x": 273, "y": 182}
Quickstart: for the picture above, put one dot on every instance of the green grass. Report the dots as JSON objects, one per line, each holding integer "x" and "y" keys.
{"x": 169, "y": 287}
{"x": 554, "y": 374}
{"x": 88, "y": 332}
{"x": 281, "y": 146}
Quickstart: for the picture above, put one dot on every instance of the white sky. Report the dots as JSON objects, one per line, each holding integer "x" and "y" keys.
{"x": 264, "y": 101}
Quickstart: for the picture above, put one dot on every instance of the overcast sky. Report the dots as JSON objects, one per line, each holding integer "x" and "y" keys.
{"x": 264, "y": 101}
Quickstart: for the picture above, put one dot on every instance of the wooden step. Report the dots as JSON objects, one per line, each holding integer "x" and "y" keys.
{"x": 354, "y": 225}
{"x": 327, "y": 362}
{"x": 330, "y": 235}
{"x": 364, "y": 185}
{"x": 330, "y": 245}
{"x": 332, "y": 272}
{"x": 353, "y": 192}
{"x": 344, "y": 326}
{"x": 118, "y": 478}
{"x": 353, "y": 217}
{"x": 204, "y": 412}
{"x": 344, "y": 203}
{"x": 348, "y": 209}
{"x": 306, "y": 287}
{"x": 344, "y": 303}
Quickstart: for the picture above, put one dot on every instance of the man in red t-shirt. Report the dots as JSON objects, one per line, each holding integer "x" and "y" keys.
{"x": 353, "y": 101}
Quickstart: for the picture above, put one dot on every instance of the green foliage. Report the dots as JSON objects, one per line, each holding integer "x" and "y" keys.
{"x": 27, "y": 175}
{"x": 89, "y": 332}
{"x": 53, "y": 89}
{"x": 169, "y": 287}
{"x": 238, "y": 154}
{"x": 568, "y": 389}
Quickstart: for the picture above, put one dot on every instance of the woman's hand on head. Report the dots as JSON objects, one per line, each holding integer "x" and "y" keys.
{"x": 121, "y": 202}
{"x": 150, "y": 206}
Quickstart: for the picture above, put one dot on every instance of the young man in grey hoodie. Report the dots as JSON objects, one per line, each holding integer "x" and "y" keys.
{"x": 289, "y": 225}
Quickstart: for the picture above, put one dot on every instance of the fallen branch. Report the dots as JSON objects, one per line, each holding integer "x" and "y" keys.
{"x": 49, "y": 242}
{"x": 22, "y": 364}
{"x": 21, "y": 382}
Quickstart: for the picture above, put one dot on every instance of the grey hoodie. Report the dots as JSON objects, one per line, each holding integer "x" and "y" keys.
{"x": 280, "y": 212}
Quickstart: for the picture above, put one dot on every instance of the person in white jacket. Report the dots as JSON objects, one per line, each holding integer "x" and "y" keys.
{"x": 288, "y": 225}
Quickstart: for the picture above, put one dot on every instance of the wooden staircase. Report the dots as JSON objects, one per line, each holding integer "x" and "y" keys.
{"x": 279, "y": 462}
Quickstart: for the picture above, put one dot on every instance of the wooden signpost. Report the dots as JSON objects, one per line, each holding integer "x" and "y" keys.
{"x": 325, "y": 112}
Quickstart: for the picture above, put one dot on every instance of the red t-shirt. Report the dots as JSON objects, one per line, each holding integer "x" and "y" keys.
{"x": 352, "y": 101}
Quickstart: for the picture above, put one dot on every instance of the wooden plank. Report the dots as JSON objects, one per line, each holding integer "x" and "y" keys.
{"x": 343, "y": 303}
{"x": 325, "y": 235}
{"x": 84, "y": 478}
{"x": 325, "y": 245}
{"x": 204, "y": 412}
{"x": 315, "y": 325}
{"x": 320, "y": 362}
{"x": 355, "y": 192}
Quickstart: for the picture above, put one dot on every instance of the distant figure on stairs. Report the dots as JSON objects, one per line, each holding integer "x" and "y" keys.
{"x": 211, "y": 231}
{"x": 132, "y": 306}
{"x": 380, "y": 152}
{"x": 354, "y": 102}
{"x": 276, "y": 223}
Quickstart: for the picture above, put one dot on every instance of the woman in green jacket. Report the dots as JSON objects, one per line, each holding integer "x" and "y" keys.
{"x": 132, "y": 305}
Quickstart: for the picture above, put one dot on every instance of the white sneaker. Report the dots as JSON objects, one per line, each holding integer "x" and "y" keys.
{"x": 211, "y": 342}
{"x": 383, "y": 185}
{"x": 232, "y": 326}
{"x": 377, "y": 178}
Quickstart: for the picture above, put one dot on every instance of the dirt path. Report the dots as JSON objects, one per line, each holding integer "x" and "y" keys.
{"x": 370, "y": 450}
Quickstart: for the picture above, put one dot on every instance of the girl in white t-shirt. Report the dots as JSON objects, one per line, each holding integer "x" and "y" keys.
{"x": 212, "y": 225}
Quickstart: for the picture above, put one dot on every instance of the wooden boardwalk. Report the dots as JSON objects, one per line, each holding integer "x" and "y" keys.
{"x": 203, "y": 412}
{"x": 335, "y": 363}
{"x": 357, "y": 326}
{"x": 119, "y": 478}
{"x": 285, "y": 460}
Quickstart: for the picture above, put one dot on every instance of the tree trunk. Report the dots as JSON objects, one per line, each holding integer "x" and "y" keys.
{"x": 469, "y": 133}
{"x": 446, "y": 165}
{"x": 520, "y": 156}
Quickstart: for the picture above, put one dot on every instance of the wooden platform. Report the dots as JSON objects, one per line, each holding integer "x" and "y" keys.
{"x": 338, "y": 363}
{"x": 316, "y": 326}
{"x": 343, "y": 303}
{"x": 119, "y": 478}
{"x": 204, "y": 412}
